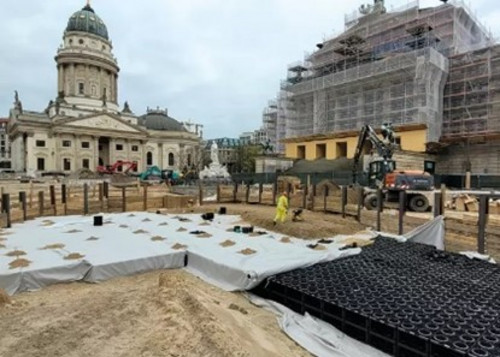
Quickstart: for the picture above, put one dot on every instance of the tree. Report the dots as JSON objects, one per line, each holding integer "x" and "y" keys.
{"x": 246, "y": 155}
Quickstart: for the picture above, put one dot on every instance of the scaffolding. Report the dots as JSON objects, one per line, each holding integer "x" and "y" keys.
{"x": 392, "y": 66}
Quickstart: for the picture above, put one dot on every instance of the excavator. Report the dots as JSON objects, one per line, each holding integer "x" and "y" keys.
{"x": 382, "y": 173}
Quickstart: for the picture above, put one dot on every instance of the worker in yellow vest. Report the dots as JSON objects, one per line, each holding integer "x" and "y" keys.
{"x": 281, "y": 208}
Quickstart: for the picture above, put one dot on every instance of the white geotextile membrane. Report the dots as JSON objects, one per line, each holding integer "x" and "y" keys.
{"x": 124, "y": 246}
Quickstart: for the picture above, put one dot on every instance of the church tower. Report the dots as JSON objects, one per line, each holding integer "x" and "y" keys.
{"x": 87, "y": 69}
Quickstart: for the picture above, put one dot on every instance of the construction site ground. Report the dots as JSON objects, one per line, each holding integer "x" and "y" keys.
{"x": 161, "y": 313}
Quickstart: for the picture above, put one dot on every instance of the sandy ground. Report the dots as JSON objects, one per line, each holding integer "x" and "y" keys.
{"x": 167, "y": 313}
{"x": 314, "y": 225}
{"x": 170, "y": 313}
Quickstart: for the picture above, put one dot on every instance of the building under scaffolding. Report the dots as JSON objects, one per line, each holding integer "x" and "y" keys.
{"x": 434, "y": 66}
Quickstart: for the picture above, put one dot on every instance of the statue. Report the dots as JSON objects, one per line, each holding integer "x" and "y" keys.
{"x": 18, "y": 105}
{"x": 126, "y": 108}
{"x": 214, "y": 153}
{"x": 103, "y": 98}
{"x": 215, "y": 171}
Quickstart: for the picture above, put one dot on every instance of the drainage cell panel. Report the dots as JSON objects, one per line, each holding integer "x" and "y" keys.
{"x": 407, "y": 299}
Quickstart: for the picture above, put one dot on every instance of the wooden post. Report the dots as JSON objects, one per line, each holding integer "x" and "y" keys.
{"x": 288, "y": 189}
{"x": 305, "y": 192}
{"x": 483, "y": 221}
{"x": 64, "y": 199}
{"x": 344, "y": 200}
{"x": 275, "y": 189}
{"x": 85, "y": 199}
{"x": 313, "y": 199}
{"x": 235, "y": 192}
{"x": 200, "y": 193}
{"x": 6, "y": 208}
{"x": 53, "y": 202}
{"x": 261, "y": 188}
{"x": 380, "y": 207}
{"x": 31, "y": 193}
{"x": 93, "y": 190}
{"x": 443, "y": 198}
{"x": 145, "y": 197}
{"x": 22, "y": 201}
{"x": 402, "y": 210}
{"x": 106, "y": 189}
{"x": 40, "y": 203}
{"x": 247, "y": 195}
{"x": 101, "y": 195}
{"x": 360, "y": 192}
{"x": 218, "y": 193}
{"x": 124, "y": 199}
{"x": 437, "y": 204}
{"x": 325, "y": 198}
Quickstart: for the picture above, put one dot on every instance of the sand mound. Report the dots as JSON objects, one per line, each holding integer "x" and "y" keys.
{"x": 204, "y": 224}
{"x": 235, "y": 307}
{"x": 158, "y": 239}
{"x": 146, "y": 220}
{"x": 181, "y": 229}
{"x": 74, "y": 256}
{"x": 2, "y": 246}
{"x": 53, "y": 246}
{"x": 247, "y": 251}
{"x": 178, "y": 246}
{"x": 227, "y": 243}
{"x": 92, "y": 238}
{"x": 163, "y": 224}
{"x": 47, "y": 223}
{"x": 4, "y": 298}
{"x": 15, "y": 253}
{"x": 73, "y": 231}
{"x": 285, "y": 240}
{"x": 140, "y": 231}
{"x": 19, "y": 263}
{"x": 203, "y": 235}
{"x": 123, "y": 226}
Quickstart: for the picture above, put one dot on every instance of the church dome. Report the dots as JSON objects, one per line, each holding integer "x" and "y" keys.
{"x": 86, "y": 20}
{"x": 159, "y": 120}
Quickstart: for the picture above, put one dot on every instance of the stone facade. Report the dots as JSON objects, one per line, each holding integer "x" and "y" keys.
{"x": 83, "y": 127}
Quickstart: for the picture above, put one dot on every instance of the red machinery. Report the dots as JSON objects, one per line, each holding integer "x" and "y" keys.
{"x": 118, "y": 167}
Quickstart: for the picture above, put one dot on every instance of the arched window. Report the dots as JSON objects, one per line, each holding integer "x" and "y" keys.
{"x": 171, "y": 159}
{"x": 189, "y": 160}
{"x": 149, "y": 158}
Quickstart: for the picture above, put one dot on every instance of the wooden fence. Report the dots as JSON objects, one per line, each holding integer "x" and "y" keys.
{"x": 465, "y": 231}
{"x": 59, "y": 200}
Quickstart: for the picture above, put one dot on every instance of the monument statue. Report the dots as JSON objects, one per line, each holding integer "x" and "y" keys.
{"x": 214, "y": 171}
{"x": 214, "y": 153}
{"x": 17, "y": 103}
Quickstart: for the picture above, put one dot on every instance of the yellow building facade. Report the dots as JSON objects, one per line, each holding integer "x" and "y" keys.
{"x": 343, "y": 144}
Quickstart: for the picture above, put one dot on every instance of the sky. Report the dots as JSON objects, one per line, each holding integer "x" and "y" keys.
{"x": 214, "y": 62}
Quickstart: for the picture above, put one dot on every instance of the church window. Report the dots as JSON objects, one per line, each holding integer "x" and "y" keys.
{"x": 66, "y": 143}
{"x": 149, "y": 158}
{"x": 40, "y": 164}
{"x": 81, "y": 88}
{"x": 40, "y": 143}
{"x": 135, "y": 148}
{"x": 67, "y": 164}
{"x": 119, "y": 147}
{"x": 86, "y": 163}
{"x": 171, "y": 159}
{"x": 85, "y": 145}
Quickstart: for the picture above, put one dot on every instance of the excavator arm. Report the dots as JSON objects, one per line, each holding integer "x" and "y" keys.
{"x": 385, "y": 151}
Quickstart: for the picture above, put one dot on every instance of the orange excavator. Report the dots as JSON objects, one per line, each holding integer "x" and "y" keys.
{"x": 382, "y": 174}
{"x": 122, "y": 167}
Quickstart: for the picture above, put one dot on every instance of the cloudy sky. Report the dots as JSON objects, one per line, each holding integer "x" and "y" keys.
{"x": 216, "y": 62}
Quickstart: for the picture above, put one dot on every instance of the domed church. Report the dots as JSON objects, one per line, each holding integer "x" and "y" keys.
{"x": 84, "y": 126}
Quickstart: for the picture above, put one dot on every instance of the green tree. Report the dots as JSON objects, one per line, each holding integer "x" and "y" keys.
{"x": 246, "y": 155}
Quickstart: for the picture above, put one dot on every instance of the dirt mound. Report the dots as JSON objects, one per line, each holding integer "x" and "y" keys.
{"x": 4, "y": 298}
{"x": 158, "y": 239}
{"x": 19, "y": 263}
{"x": 247, "y": 251}
{"x": 227, "y": 243}
{"x": 74, "y": 256}
{"x": 53, "y": 246}
{"x": 15, "y": 253}
{"x": 178, "y": 246}
{"x": 84, "y": 174}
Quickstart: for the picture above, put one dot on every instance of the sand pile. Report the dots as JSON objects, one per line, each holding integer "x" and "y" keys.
{"x": 92, "y": 238}
{"x": 247, "y": 251}
{"x": 181, "y": 229}
{"x": 15, "y": 253}
{"x": 178, "y": 246}
{"x": 285, "y": 240}
{"x": 19, "y": 263}
{"x": 140, "y": 231}
{"x": 53, "y": 246}
{"x": 73, "y": 231}
{"x": 74, "y": 256}
{"x": 163, "y": 224}
{"x": 4, "y": 298}
{"x": 158, "y": 239}
{"x": 227, "y": 243}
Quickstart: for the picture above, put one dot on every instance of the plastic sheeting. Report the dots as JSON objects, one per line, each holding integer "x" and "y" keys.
{"x": 316, "y": 336}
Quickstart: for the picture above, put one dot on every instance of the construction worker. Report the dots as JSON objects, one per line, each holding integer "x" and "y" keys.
{"x": 281, "y": 208}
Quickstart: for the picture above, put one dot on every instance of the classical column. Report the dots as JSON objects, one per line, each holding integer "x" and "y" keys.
{"x": 60, "y": 82}
{"x": 72, "y": 82}
{"x": 87, "y": 90}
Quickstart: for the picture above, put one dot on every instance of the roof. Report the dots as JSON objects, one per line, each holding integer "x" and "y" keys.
{"x": 86, "y": 20}
{"x": 159, "y": 120}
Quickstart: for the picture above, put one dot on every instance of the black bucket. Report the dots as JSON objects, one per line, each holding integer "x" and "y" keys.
{"x": 222, "y": 210}
{"x": 208, "y": 216}
{"x": 98, "y": 220}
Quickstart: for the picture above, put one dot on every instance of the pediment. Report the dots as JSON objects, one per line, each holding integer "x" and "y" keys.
{"x": 104, "y": 122}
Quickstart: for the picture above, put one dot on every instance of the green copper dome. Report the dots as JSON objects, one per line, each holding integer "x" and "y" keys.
{"x": 86, "y": 20}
